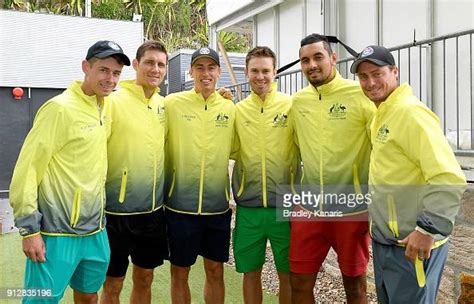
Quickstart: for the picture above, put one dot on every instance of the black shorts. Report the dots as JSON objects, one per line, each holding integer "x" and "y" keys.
{"x": 140, "y": 236}
{"x": 192, "y": 235}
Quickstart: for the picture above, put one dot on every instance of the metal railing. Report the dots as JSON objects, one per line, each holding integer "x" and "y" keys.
{"x": 441, "y": 75}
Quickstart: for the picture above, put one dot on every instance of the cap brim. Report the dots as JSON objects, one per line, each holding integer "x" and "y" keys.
{"x": 356, "y": 63}
{"x": 205, "y": 56}
{"x": 106, "y": 54}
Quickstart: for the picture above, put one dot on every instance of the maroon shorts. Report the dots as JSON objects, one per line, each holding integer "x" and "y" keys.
{"x": 311, "y": 240}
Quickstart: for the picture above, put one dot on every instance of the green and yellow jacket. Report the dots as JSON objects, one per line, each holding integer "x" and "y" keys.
{"x": 58, "y": 182}
{"x": 135, "y": 177}
{"x": 332, "y": 131}
{"x": 414, "y": 176}
{"x": 198, "y": 147}
{"x": 264, "y": 149}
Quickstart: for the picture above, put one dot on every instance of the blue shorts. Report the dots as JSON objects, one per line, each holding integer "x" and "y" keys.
{"x": 80, "y": 261}
{"x": 396, "y": 277}
{"x": 192, "y": 235}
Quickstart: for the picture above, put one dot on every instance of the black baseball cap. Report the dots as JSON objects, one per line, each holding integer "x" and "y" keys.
{"x": 376, "y": 54}
{"x": 205, "y": 52}
{"x": 105, "y": 48}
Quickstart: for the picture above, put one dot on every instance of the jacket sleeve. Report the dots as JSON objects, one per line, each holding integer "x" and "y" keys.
{"x": 44, "y": 139}
{"x": 429, "y": 149}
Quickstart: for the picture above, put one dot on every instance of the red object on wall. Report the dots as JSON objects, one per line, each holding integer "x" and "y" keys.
{"x": 17, "y": 93}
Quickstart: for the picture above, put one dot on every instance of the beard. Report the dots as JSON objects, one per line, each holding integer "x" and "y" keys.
{"x": 320, "y": 79}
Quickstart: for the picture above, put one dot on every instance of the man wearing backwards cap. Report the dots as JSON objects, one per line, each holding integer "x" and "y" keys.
{"x": 57, "y": 188}
{"x": 200, "y": 129}
{"x": 416, "y": 184}
{"x": 331, "y": 116}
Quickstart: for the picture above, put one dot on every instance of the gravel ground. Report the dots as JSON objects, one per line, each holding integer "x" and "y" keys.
{"x": 328, "y": 289}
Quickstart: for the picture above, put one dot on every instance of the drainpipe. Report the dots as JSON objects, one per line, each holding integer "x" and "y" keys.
{"x": 213, "y": 37}
{"x": 379, "y": 22}
{"x": 429, "y": 55}
{"x": 88, "y": 10}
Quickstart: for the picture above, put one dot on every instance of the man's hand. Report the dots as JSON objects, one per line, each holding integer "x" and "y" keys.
{"x": 226, "y": 93}
{"x": 417, "y": 245}
{"x": 34, "y": 248}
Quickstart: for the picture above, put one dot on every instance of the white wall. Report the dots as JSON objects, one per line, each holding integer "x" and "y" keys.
{"x": 357, "y": 24}
{"x": 314, "y": 18}
{"x": 291, "y": 30}
{"x": 266, "y": 29}
{"x": 453, "y": 15}
{"x": 401, "y": 17}
{"x": 45, "y": 51}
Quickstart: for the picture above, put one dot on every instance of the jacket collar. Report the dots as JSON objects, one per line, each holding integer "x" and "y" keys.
{"x": 75, "y": 87}
{"x": 136, "y": 89}
{"x": 330, "y": 86}
{"x": 210, "y": 99}
{"x": 398, "y": 95}
{"x": 269, "y": 97}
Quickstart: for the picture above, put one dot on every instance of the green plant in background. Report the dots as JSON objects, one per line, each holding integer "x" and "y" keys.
{"x": 110, "y": 10}
{"x": 71, "y": 7}
{"x": 178, "y": 24}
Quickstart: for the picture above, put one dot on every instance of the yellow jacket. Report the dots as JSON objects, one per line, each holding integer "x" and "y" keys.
{"x": 332, "y": 132}
{"x": 414, "y": 177}
{"x": 197, "y": 152}
{"x": 264, "y": 149}
{"x": 58, "y": 182}
{"x": 135, "y": 177}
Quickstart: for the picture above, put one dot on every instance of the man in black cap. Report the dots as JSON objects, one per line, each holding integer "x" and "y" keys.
{"x": 57, "y": 188}
{"x": 200, "y": 125}
{"x": 416, "y": 185}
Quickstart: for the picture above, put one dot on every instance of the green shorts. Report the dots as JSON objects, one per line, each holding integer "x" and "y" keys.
{"x": 78, "y": 261}
{"x": 253, "y": 227}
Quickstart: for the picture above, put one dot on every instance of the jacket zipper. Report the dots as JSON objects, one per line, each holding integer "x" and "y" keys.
{"x": 201, "y": 179}
{"x": 262, "y": 149}
{"x": 154, "y": 163}
{"x": 321, "y": 178}
{"x": 100, "y": 113}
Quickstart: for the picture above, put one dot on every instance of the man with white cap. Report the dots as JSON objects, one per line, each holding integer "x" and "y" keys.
{"x": 200, "y": 126}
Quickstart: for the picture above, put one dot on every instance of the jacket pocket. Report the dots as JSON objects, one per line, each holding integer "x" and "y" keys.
{"x": 242, "y": 185}
{"x": 292, "y": 180}
{"x": 123, "y": 185}
{"x": 76, "y": 207}
{"x": 172, "y": 183}
{"x": 355, "y": 179}
{"x": 392, "y": 216}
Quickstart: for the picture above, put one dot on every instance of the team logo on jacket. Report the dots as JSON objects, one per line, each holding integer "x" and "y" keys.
{"x": 161, "y": 113}
{"x": 337, "y": 111}
{"x": 280, "y": 120}
{"x": 382, "y": 134}
{"x": 222, "y": 120}
{"x": 161, "y": 109}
